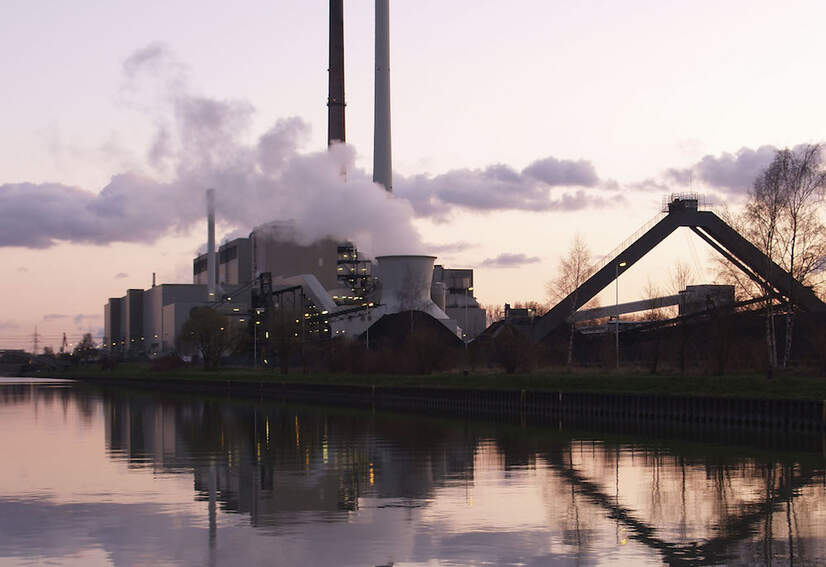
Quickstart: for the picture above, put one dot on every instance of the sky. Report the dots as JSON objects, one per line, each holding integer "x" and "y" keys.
{"x": 513, "y": 130}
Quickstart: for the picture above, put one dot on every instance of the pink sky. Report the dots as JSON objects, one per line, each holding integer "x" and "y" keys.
{"x": 631, "y": 90}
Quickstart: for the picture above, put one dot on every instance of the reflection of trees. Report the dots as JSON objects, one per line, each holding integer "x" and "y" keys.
{"x": 281, "y": 465}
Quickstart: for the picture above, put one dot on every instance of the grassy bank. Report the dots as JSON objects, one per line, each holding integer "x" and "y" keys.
{"x": 784, "y": 386}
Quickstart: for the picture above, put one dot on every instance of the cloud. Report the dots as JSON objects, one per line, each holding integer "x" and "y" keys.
{"x": 500, "y": 187}
{"x": 727, "y": 172}
{"x": 121, "y": 275}
{"x": 22, "y": 269}
{"x": 509, "y": 260}
{"x": 201, "y": 142}
{"x": 557, "y": 172}
{"x": 9, "y": 325}
{"x": 54, "y": 316}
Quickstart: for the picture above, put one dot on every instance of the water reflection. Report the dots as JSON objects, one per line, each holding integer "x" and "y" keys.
{"x": 192, "y": 480}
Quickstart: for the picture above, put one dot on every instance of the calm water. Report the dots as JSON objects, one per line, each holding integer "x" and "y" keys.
{"x": 93, "y": 477}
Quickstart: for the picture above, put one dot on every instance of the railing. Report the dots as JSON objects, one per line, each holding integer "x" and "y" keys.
{"x": 626, "y": 243}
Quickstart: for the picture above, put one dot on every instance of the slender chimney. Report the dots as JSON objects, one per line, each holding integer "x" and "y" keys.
{"x": 382, "y": 161}
{"x": 335, "y": 99}
{"x": 153, "y": 279}
{"x": 210, "y": 196}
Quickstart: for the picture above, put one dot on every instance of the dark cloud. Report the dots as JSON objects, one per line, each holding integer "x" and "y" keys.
{"x": 509, "y": 260}
{"x": 121, "y": 275}
{"x": 9, "y": 325}
{"x": 726, "y": 172}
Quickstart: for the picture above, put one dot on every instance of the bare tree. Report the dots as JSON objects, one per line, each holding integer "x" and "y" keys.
{"x": 209, "y": 333}
{"x": 651, "y": 292}
{"x": 803, "y": 185}
{"x": 574, "y": 268}
{"x": 494, "y": 311}
{"x": 681, "y": 276}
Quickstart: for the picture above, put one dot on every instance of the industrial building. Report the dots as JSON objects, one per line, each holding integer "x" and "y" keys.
{"x": 335, "y": 291}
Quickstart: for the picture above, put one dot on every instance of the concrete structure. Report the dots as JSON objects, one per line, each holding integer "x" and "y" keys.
{"x": 459, "y": 303}
{"x": 160, "y": 331}
{"x": 697, "y": 298}
{"x": 113, "y": 324}
{"x": 148, "y": 321}
{"x": 133, "y": 319}
{"x": 405, "y": 286}
{"x": 335, "y": 98}
{"x": 234, "y": 264}
{"x": 275, "y": 250}
{"x": 382, "y": 151}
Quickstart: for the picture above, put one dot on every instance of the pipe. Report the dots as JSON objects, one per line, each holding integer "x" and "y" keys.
{"x": 382, "y": 152}
{"x": 211, "y": 267}
{"x": 335, "y": 98}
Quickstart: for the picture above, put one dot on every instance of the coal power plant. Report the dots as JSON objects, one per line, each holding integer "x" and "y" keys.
{"x": 281, "y": 296}
{"x": 328, "y": 287}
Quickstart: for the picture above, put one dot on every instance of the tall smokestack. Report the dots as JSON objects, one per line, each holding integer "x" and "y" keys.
{"x": 382, "y": 161}
{"x": 335, "y": 98}
{"x": 210, "y": 197}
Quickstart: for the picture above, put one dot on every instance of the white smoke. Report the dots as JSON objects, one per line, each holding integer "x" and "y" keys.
{"x": 201, "y": 142}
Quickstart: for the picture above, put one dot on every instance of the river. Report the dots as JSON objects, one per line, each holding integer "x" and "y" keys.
{"x": 107, "y": 476}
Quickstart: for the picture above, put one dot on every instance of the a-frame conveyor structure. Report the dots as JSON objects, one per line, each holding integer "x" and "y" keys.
{"x": 683, "y": 211}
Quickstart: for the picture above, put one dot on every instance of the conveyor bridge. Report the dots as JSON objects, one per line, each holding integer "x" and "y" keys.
{"x": 714, "y": 231}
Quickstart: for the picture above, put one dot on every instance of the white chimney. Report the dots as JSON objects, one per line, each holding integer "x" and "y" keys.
{"x": 211, "y": 267}
{"x": 382, "y": 154}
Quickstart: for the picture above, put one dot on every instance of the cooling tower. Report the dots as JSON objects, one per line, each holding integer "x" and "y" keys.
{"x": 335, "y": 98}
{"x": 211, "y": 266}
{"x": 406, "y": 283}
{"x": 382, "y": 160}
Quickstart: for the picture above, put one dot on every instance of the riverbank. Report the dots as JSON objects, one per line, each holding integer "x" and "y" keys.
{"x": 783, "y": 386}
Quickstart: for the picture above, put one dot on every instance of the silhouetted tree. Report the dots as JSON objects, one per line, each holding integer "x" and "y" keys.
{"x": 86, "y": 348}
{"x": 574, "y": 268}
{"x": 209, "y": 333}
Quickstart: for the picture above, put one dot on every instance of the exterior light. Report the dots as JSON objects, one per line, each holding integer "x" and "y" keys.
{"x": 266, "y": 334}
{"x": 622, "y": 264}
{"x": 324, "y": 312}
{"x": 241, "y": 320}
{"x": 235, "y": 309}
{"x": 257, "y": 323}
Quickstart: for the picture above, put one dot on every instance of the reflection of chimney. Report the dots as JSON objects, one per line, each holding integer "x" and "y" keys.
{"x": 382, "y": 162}
{"x": 210, "y": 195}
{"x": 335, "y": 99}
